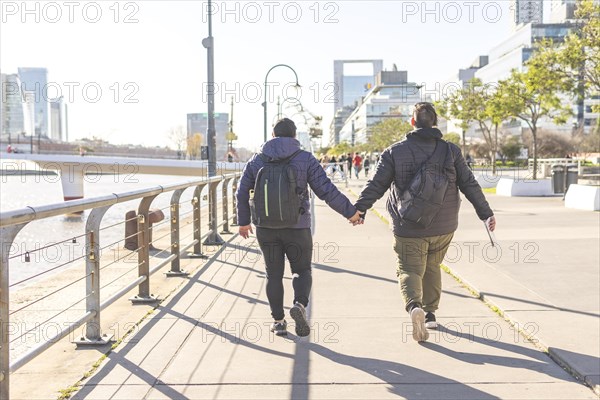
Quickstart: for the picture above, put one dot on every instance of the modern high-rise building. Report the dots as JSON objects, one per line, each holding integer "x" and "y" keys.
{"x": 29, "y": 123}
{"x": 513, "y": 53}
{"x": 562, "y": 11}
{"x": 391, "y": 97}
{"x": 35, "y": 80}
{"x": 11, "y": 107}
{"x": 56, "y": 119}
{"x": 350, "y": 89}
{"x": 516, "y": 49}
{"x": 526, "y": 11}
{"x": 455, "y": 82}
{"x": 198, "y": 123}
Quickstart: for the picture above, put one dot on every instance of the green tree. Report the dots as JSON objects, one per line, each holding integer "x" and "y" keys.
{"x": 482, "y": 104}
{"x": 452, "y": 138}
{"x": 339, "y": 149}
{"x": 511, "y": 147}
{"x": 532, "y": 95}
{"x": 452, "y": 108}
{"x": 576, "y": 61}
{"x": 388, "y": 132}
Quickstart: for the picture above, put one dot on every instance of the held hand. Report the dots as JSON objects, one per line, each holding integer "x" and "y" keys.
{"x": 245, "y": 231}
{"x": 492, "y": 223}
{"x": 356, "y": 219}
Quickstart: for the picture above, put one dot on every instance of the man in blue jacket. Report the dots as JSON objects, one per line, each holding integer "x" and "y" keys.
{"x": 421, "y": 250}
{"x": 295, "y": 242}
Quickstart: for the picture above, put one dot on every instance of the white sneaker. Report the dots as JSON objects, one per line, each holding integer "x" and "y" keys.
{"x": 417, "y": 316}
{"x": 298, "y": 313}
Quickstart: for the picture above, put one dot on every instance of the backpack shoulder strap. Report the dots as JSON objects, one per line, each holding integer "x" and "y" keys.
{"x": 294, "y": 154}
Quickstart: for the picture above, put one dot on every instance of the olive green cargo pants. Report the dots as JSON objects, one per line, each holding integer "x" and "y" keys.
{"x": 418, "y": 269}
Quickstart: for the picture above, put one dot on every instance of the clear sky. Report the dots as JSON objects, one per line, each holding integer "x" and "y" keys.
{"x": 147, "y": 59}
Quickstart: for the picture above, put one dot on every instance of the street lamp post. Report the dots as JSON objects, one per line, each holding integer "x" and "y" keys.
{"x": 265, "y": 102}
{"x": 213, "y": 237}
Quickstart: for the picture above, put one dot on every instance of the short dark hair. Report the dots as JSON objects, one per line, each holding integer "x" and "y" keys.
{"x": 285, "y": 128}
{"x": 425, "y": 115}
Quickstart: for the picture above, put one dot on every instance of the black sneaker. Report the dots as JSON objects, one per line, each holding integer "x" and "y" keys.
{"x": 298, "y": 313}
{"x": 417, "y": 316}
{"x": 279, "y": 328}
{"x": 430, "y": 322}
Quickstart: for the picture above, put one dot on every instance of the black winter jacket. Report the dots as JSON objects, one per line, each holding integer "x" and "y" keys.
{"x": 396, "y": 167}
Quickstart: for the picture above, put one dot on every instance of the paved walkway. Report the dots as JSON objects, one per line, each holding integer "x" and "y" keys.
{"x": 544, "y": 276}
{"x": 211, "y": 338}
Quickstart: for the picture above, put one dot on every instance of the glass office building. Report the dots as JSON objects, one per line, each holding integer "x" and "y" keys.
{"x": 35, "y": 80}
{"x": 11, "y": 107}
{"x": 392, "y": 97}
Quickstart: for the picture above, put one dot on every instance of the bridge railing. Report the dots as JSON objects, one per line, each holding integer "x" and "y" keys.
{"x": 13, "y": 222}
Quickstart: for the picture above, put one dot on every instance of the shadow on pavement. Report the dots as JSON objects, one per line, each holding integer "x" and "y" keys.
{"x": 520, "y": 300}
{"x": 337, "y": 270}
{"x": 538, "y": 360}
{"x": 405, "y": 381}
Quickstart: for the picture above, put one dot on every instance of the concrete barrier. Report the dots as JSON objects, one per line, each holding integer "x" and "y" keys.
{"x": 487, "y": 180}
{"x": 512, "y": 187}
{"x": 583, "y": 197}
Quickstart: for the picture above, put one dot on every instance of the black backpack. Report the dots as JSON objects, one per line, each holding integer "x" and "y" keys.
{"x": 425, "y": 193}
{"x": 276, "y": 201}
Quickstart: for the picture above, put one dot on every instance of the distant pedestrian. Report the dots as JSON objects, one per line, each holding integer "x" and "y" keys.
{"x": 366, "y": 165}
{"x": 423, "y": 232}
{"x": 349, "y": 164}
{"x": 342, "y": 162}
{"x": 357, "y": 163}
{"x": 333, "y": 163}
{"x": 469, "y": 161}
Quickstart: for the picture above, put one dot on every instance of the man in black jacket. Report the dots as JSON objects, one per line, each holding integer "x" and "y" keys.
{"x": 420, "y": 251}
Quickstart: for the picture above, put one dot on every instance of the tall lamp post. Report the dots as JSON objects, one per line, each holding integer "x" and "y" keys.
{"x": 213, "y": 237}
{"x": 266, "y": 82}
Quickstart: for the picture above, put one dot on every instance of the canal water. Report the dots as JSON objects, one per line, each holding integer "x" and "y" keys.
{"x": 54, "y": 241}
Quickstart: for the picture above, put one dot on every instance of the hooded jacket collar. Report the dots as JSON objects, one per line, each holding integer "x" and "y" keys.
{"x": 425, "y": 133}
{"x": 279, "y": 148}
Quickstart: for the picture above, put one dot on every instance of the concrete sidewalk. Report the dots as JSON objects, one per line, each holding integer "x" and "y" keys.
{"x": 544, "y": 276}
{"x": 212, "y": 339}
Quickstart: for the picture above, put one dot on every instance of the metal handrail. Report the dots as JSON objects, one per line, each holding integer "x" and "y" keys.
{"x": 28, "y": 214}
{"x": 12, "y": 222}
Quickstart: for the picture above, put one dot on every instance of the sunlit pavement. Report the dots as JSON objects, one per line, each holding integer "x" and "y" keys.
{"x": 211, "y": 339}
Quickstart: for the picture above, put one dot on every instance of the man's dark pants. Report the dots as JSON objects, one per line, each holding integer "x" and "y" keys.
{"x": 297, "y": 245}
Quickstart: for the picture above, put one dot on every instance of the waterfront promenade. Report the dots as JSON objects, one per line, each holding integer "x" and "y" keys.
{"x": 209, "y": 338}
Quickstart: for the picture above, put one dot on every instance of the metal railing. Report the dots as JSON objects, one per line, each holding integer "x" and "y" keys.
{"x": 337, "y": 172}
{"x": 544, "y": 165}
{"x": 13, "y": 222}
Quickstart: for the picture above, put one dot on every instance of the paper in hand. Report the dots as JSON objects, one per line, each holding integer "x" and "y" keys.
{"x": 489, "y": 232}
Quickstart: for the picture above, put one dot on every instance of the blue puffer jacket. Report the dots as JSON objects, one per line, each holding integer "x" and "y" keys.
{"x": 310, "y": 172}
